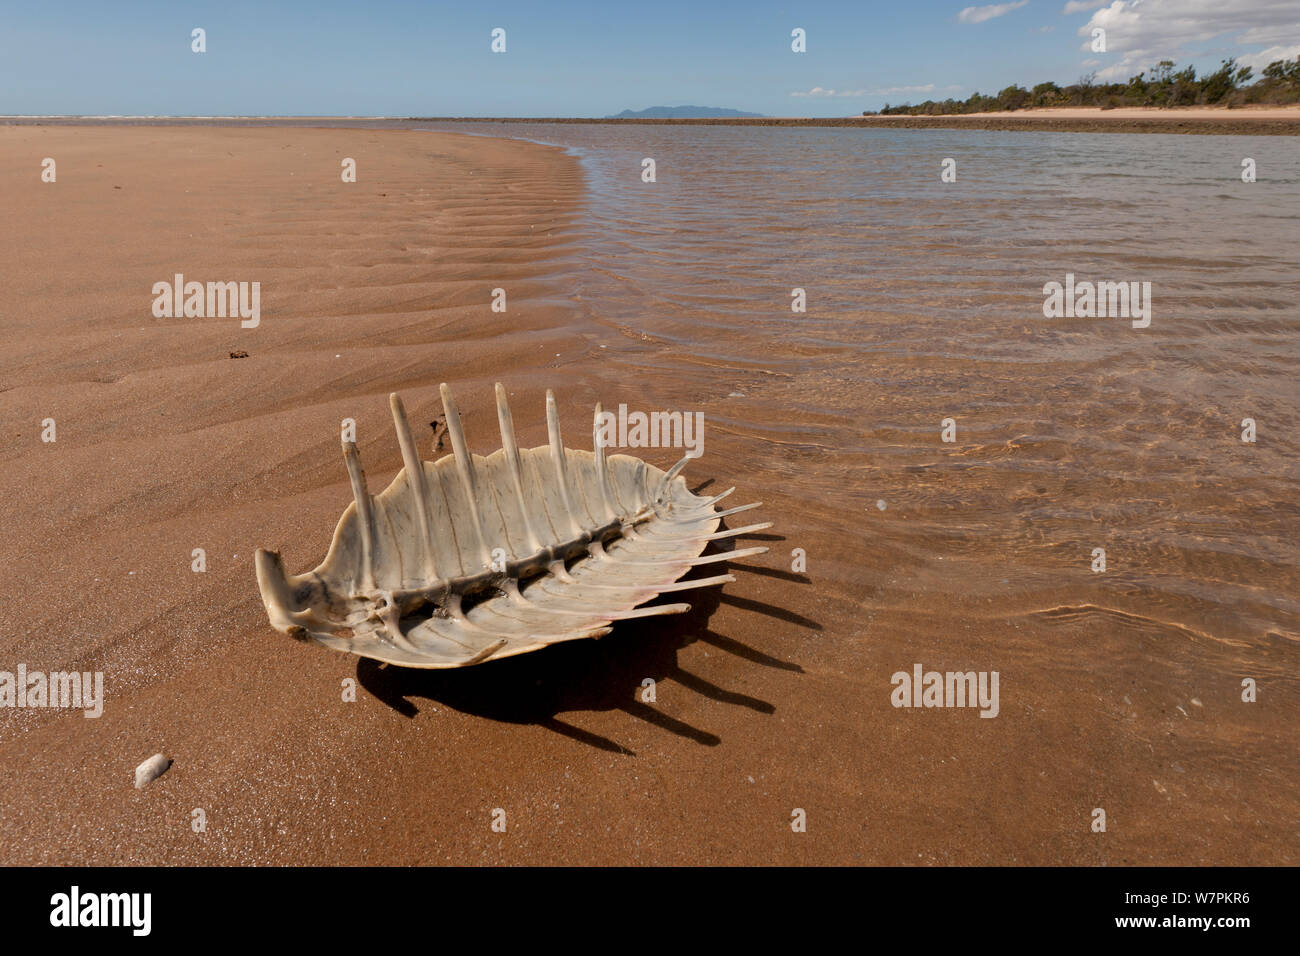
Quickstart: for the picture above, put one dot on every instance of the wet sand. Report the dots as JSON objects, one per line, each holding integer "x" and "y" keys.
{"x": 772, "y": 694}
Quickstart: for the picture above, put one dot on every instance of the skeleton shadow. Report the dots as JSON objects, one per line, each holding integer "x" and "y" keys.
{"x": 596, "y": 675}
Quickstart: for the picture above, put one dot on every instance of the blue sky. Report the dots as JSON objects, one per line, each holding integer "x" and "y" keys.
{"x": 383, "y": 57}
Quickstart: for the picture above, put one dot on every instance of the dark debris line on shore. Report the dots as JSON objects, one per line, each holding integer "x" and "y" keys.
{"x": 1234, "y": 122}
{"x": 1225, "y": 122}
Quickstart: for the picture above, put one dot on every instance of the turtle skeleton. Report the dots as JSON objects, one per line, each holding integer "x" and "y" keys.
{"x": 473, "y": 558}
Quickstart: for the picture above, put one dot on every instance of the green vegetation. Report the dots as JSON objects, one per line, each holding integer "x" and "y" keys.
{"x": 1226, "y": 86}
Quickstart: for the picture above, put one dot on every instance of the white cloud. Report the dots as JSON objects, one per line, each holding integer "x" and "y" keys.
{"x": 980, "y": 14}
{"x": 819, "y": 91}
{"x": 1081, "y": 6}
{"x": 1274, "y": 34}
{"x": 896, "y": 90}
{"x": 1265, "y": 57}
{"x": 883, "y": 91}
{"x": 1140, "y": 33}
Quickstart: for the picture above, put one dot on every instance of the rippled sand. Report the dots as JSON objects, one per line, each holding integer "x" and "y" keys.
{"x": 1119, "y": 690}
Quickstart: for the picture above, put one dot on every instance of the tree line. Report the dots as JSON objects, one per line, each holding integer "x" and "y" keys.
{"x": 1163, "y": 86}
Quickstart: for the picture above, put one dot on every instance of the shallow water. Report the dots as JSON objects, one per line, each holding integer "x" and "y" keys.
{"x": 924, "y": 302}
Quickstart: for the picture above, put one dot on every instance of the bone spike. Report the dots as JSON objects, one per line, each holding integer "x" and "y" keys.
{"x": 663, "y": 588}
{"x": 512, "y": 588}
{"x": 729, "y": 555}
{"x": 716, "y": 536}
{"x": 632, "y": 532}
{"x": 697, "y": 583}
{"x": 716, "y": 498}
{"x": 654, "y": 610}
{"x": 511, "y": 448}
{"x": 656, "y": 502}
{"x": 672, "y": 473}
{"x": 415, "y": 475}
{"x": 465, "y": 469}
{"x": 717, "y": 514}
{"x": 648, "y": 506}
{"x": 599, "y": 552}
{"x": 365, "y": 514}
{"x": 602, "y": 468}
{"x": 557, "y": 457}
{"x": 692, "y": 562}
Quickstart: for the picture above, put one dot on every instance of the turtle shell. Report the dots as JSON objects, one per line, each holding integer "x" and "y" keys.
{"x": 473, "y": 558}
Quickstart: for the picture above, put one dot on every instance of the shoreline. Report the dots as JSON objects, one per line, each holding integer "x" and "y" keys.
{"x": 1199, "y": 121}
{"x": 1194, "y": 120}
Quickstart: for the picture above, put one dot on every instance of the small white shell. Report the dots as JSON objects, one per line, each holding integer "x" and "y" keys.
{"x": 151, "y": 770}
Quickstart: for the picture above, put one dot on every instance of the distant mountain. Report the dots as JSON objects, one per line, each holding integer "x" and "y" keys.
{"x": 683, "y": 112}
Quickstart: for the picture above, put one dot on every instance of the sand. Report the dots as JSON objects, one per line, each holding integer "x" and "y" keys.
{"x": 166, "y": 444}
{"x": 771, "y": 696}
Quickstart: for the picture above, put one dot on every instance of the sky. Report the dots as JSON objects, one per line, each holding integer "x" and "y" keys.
{"x": 394, "y": 58}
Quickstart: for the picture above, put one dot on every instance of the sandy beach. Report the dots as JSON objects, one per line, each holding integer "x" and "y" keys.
{"x": 772, "y": 694}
